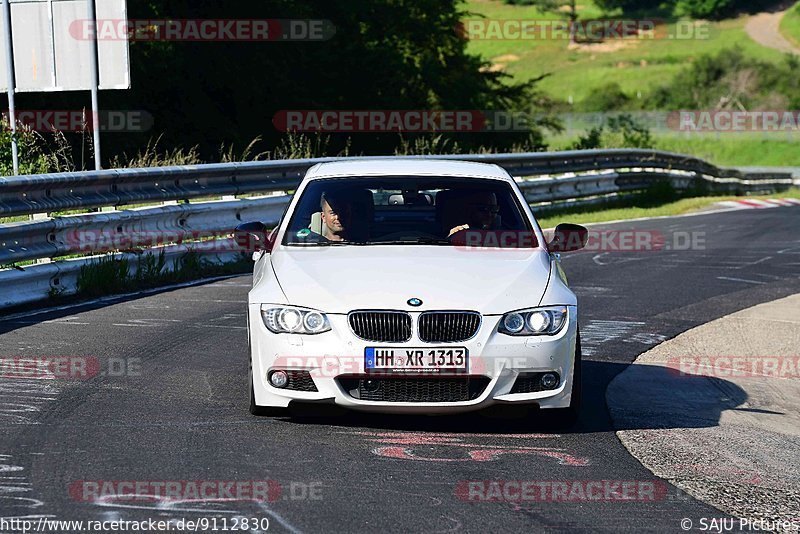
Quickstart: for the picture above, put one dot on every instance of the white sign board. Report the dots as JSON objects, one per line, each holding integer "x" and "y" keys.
{"x": 52, "y": 53}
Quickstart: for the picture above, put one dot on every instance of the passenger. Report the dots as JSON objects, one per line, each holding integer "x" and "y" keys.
{"x": 481, "y": 211}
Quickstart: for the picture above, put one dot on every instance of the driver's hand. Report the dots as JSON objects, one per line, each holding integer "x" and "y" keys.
{"x": 458, "y": 229}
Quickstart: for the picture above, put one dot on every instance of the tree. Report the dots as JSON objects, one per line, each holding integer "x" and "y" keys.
{"x": 555, "y": 6}
{"x": 706, "y": 9}
{"x": 625, "y": 5}
{"x": 385, "y": 55}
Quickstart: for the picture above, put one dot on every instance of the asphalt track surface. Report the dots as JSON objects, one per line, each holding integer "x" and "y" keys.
{"x": 182, "y": 414}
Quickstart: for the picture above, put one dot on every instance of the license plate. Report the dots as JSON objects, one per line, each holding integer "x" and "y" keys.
{"x": 416, "y": 360}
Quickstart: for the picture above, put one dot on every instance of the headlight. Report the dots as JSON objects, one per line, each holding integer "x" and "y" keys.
{"x": 290, "y": 320}
{"x": 534, "y": 322}
{"x": 513, "y": 323}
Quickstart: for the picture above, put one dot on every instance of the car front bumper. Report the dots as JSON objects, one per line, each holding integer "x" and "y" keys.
{"x": 335, "y": 355}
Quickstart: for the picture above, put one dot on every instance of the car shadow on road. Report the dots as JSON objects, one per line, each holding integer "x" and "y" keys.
{"x": 656, "y": 397}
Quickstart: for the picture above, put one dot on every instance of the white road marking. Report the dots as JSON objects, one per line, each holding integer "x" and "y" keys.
{"x": 148, "y": 322}
{"x": 173, "y": 506}
{"x": 746, "y": 263}
{"x": 222, "y": 301}
{"x": 21, "y": 399}
{"x": 61, "y": 320}
{"x": 595, "y": 333}
{"x": 791, "y": 250}
{"x": 645, "y": 338}
{"x": 31, "y": 323}
{"x": 740, "y": 280}
{"x": 590, "y": 289}
{"x": 614, "y": 260}
{"x": 6, "y": 466}
{"x": 218, "y": 326}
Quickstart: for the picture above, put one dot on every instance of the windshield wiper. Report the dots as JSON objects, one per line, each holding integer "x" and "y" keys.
{"x": 321, "y": 244}
{"x": 418, "y": 241}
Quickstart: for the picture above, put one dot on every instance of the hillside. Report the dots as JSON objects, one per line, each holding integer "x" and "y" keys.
{"x": 639, "y": 66}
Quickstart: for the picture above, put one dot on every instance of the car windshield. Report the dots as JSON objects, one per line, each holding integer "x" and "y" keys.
{"x": 410, "y": 211}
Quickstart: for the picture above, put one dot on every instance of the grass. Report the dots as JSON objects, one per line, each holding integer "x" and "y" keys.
{"x": 109, "y": 275}
{"x": 736, "y": 150}
{"x": 790, "y": 24}
{"x": 741, "y": 149}
{"x": 625, "y": 210}
{"x": 16, "y": 218}
{"x": 637, "y": 65}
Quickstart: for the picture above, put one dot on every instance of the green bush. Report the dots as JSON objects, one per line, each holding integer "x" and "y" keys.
{"x": 700, "y": 9}
{"x": 622, "y": 131}
{"x": 730, "y": 80}
{"x": 591, "y": 140}
{"x": 149, "y": 268}
{"x": 35, "y": 157}
{"x": 608, "y": 97}
{"x": 625, "y": 5}
{"x": 426, "y": 145}
{"x": 107, "y": 275}
{"x": 705, "y": 9}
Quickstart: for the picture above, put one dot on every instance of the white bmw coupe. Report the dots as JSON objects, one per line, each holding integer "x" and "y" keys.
{"x": 412, "y": 286}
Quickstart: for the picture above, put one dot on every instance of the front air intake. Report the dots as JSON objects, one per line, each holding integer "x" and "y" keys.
{"x": 448, "y": 326}
{"x": 381, "y": 326}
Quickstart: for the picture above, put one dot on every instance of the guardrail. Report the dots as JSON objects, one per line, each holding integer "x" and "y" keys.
{"x": 543, "y": 177}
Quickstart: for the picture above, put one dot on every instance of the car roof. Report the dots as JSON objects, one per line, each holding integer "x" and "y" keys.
{"x": 407, "y": 167}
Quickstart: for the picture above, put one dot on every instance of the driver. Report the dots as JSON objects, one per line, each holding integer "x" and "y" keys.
{"x": 337, "y": 215}
{"x": 480, "y": 209}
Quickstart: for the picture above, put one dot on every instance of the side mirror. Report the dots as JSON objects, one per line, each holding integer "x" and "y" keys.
{"x": 254, "y": 237}
{"x": 568, "y": 238}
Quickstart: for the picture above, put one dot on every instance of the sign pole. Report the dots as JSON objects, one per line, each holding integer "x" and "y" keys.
{"x": 92, "y": 16}
{"x": 12, "y": 84}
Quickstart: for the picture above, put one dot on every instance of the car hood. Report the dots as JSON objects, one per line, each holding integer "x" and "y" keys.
{"x": 342, "y": 279}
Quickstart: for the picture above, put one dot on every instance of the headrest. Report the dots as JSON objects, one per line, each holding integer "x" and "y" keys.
{"x": 316, "y": 223}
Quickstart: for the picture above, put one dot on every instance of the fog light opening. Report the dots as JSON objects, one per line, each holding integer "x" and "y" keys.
{"x": 370, "y": 385}
{"x": 278, "y": 379}
{"x": 549, "y": 380}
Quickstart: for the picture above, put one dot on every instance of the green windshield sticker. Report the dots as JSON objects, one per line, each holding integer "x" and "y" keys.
{"x": 304, "y": 232}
